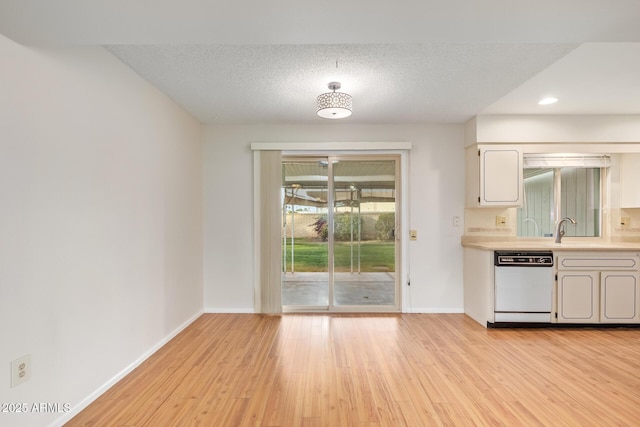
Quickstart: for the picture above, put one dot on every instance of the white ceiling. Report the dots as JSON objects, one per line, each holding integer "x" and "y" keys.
{"x": 595, "y": 78}
{"x": 402, "y": 61}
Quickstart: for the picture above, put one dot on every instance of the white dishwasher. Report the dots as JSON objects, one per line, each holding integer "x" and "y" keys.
{"x": 523, "y": 286}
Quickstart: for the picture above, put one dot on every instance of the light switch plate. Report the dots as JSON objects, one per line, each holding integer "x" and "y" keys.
{"x": 413, "y": 234}
{"x": 501, "y": 221}
{"x": 625, "y": 221}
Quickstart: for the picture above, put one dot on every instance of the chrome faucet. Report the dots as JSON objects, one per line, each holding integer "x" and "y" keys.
{"x": 560, "y": 228}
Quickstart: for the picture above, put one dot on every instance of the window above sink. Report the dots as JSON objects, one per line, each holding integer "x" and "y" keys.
{"x": 558, "y": 187}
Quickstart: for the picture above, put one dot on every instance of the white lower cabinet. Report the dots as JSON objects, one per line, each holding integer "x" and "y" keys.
{"x": 609, "y": 292}
{"x": 619, "y": 297}
{"x": 578, "y": 297}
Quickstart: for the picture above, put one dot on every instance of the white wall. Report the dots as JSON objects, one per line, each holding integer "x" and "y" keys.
{"x": 436, "y": 196}
{"x": 100, "y": 222}
{"x": 555, "y": 129}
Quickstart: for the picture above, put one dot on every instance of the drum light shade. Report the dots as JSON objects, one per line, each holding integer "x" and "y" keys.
{"x": 334, "y": 105}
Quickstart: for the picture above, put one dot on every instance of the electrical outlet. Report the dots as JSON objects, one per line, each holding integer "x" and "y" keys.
{"x": 501, "y": 221}
{"x": 625, "y": 221}
{"x": 20, "y": 370}
{"x": 456, "y": 221}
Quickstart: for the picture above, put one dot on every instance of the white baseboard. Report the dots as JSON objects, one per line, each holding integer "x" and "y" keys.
{"x": 435, "y": 310}
{"x": 229, "y": 310}
{"x": 75, "y": 410}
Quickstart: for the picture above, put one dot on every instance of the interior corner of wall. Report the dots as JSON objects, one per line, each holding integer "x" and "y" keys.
{"x": 471, "y": 132}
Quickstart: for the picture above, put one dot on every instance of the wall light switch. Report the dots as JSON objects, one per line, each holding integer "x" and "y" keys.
{"x": 625, "y": 221}
{"x": 413, "y": 234}
{"x": 501, "y": 221}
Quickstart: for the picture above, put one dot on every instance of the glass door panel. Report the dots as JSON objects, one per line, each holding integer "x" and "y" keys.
{"x": 305, "y": 233}
{"x": 342, "y": 258}
{"x": 364, "y": 224}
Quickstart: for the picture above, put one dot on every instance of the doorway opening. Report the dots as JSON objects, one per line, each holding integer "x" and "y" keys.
{"x": 340, "y": 216}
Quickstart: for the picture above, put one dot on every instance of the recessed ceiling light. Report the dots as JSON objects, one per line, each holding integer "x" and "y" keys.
{"x": 548, "y": 100}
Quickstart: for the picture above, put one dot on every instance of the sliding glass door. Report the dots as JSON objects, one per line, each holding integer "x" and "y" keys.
{"x": 305, "y": 236}
{"x": 364, "y": 244}
{"x": 339, "y": 233}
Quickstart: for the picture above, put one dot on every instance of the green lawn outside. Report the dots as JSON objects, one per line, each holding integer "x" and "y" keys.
{"x": 312, "y": 256}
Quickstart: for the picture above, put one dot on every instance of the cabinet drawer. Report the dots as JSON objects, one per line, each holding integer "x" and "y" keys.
{"x": 618, "y": 262}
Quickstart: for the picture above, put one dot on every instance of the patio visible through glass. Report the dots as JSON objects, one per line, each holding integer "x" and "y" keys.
{"x": 354, "y": 265}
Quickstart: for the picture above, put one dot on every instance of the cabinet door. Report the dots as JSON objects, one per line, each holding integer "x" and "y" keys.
{"x": 619, "y": 297}
{"x": 578, "y": 297}
{"x": 501, "y": 176}
{"x": 629, "y": 179}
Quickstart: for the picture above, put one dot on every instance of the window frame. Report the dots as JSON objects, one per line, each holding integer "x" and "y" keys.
{"x": 557, "y": 196}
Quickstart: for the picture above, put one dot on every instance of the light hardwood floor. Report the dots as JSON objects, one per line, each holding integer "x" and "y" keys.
{"x": 378, "y": 370}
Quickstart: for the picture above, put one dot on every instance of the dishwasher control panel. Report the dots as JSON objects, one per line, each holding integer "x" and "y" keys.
{"x": 528, "y": 258}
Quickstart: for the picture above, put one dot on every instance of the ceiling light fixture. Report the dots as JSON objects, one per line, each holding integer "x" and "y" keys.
{"x": 334, "y": 105}
{"x": 548, "y": 100}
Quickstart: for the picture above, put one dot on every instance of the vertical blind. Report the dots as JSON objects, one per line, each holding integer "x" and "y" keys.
{"x": 270, "y": 292}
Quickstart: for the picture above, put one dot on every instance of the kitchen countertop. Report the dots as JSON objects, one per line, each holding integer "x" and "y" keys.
{"x": 549, "y": 244}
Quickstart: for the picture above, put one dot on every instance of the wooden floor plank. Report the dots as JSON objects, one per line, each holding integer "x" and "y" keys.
{"x": 377, "y": 370}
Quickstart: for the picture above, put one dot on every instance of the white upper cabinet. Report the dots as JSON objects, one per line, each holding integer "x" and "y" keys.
{"x": 494, "y": 175}
{"x": 630, "y": 180}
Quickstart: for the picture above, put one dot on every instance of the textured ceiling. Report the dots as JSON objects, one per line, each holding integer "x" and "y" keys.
{"x": 403, "y": 61}
{"x": 389, "y": 83}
